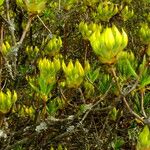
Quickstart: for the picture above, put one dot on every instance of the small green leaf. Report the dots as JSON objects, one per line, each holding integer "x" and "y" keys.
{"x": 34, "y": 87}
{"x": 145, "y": 81}
{"x": 131, "y": 69}
{"x": 144, "y": 137}
{"x": 60, "y": 147}
{"x": 113, "y": 113}
{"x": 85, "y": 107}
{"x": 1, "y": 2}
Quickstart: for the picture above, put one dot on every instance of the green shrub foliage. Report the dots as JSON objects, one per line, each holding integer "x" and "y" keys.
{"x": 78, "y": 71}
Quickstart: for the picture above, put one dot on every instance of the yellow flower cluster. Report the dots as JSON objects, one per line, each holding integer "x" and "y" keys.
{"x": 108, "y": 44}
{"x": 74, "y": 73}
{"x": 7, "y": 100}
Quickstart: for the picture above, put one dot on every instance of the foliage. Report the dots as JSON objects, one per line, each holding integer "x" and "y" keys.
{"x": 79, "y": 71}
{"x": 144, "y": 139}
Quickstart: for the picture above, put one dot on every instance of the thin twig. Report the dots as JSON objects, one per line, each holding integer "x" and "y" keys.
{"x": 82, "y": 96}
{"x": 131, "y": 111}
{"x": 20, "y": 142}
{"x": 132, "y": 89}
{"x": 45, "y": 25}
{"x": 26, "y": 29}
{"x": 94, "y": 105}
{"x": 59, "y": 5}
{"x": 116, "y": 79}
{"x": 124, "y": 96}
{"x": 142, "y": 104}
{"x": 1, "y": 42}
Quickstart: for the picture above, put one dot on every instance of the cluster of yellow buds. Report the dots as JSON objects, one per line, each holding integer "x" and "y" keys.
{"x": 108, "y": 44}
{"x": 87, "y": 30}
{"x": 6, "y": 48}
{"x": 32, "y": 6}
{"x": 23, "y": 110}
{"x": 47, "y": 78}
{"x": 7, "y": 100}
{"x": 105, "y": 11}
{"x": 26, "y": 111}
{"x": 74, "y": 74}
{"x": 53, "y": 46}
{"x": 45, "y": 81}
{"x": 145, "y": 36}
{"x": 49, "y": 68}
{"x": 126, "y": 13}
{"x": 145, "y": 33}
{"x": 32, "y": 52}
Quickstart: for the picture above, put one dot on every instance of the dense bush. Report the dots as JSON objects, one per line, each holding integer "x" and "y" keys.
{"x": 74, "y": 74}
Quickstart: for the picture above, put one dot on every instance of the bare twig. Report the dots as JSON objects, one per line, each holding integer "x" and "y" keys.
{"x": 132, "y": 89}
{"x": 26, "y": 29}
{"x": 82, "y": 96}
{"x": 59, "y": 5}
{"x": 142, "y": 104}
{"x": 94, "y": 105}
{"x": 124, "y": 96}
{"x": 131, "y": 111}
{"x": 45, "y": 25}
{"x": 22, "y": 141}
{"x": 116, "y": 79}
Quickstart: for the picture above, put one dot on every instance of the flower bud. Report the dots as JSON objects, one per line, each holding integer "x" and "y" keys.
{"x": 87, "y": 67}
{"x": 70, "y": 68}
{"x": 124, "y": 39}
{"x": 109, "y": 38}
{"x": 79, "y": 68}
{"x": 4, "y": 49}
{"x": 14, "y": 98}
{"x": 57, "y": 64}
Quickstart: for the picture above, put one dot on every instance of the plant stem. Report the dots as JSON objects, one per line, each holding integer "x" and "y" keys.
{"x": 1, "y": 42}
{"x": 82, "y": 96}
{"x": 124, "y": 96}
{"x": 94, "y": 105}
{"x": 45, "y": 25}
{"x": 131, "y": 111}
{"x": 142, "y": 104}
{"x": 26, "y": 29}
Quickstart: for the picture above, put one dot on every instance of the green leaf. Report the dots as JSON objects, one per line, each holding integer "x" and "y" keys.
{"x": 144, "y": 139}
{"x": 1, "y": 2}
{"x": 142, "y": 67}
{"x": 145, "y": 81}
{"x": 131, "y": 69}
{"x": 117, "y": 143}
{"x": 113, "y": 113}
{"x": 52, "y": 107}
{"x": 85, "y": 107}
{"x": 104, "y": 82}
{"x": 60, "y": 147}
{"x": 52, "y": 148}
{"x": 34, "y": 87}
